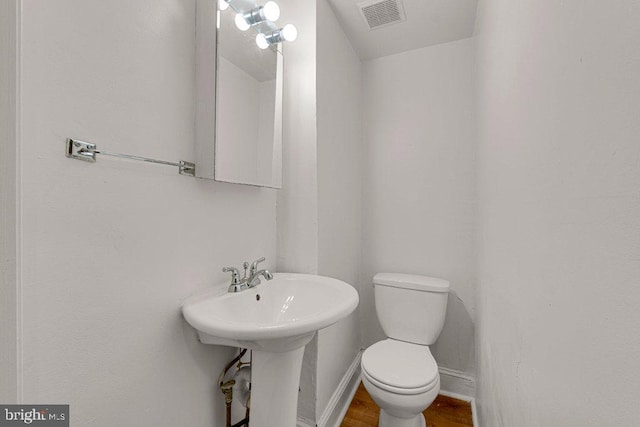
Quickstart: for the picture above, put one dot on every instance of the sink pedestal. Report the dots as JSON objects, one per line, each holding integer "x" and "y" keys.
{"x": 276, "y": 320}
{"x": 275, "y": 380}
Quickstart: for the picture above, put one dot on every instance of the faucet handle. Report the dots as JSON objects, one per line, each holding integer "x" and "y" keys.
{"x": 235, "y": 274}
{"x": 254, "y": 265}
{"x": 245, "y": 265}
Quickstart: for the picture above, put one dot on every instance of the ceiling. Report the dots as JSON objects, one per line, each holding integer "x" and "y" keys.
{"x": 428, "y": 22}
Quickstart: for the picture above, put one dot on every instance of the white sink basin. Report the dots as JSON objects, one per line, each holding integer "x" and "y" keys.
{"x": 278, "y": 315}
{"x": 275, "y": 319}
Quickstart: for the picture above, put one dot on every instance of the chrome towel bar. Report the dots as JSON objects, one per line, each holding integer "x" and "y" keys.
{"x": 87, "y": 151}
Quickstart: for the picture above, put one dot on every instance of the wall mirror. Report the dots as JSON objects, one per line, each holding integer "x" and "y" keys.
{"x": 239, "y": 82}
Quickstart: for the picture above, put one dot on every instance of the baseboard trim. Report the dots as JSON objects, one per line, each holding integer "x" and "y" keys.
{"x": 339, "y": 403}
{"x": 303, "y": 422}
{"x": 460, "y": 386}
{"x": 464, "y": 398}
{"x": 457, "y": 382}
{"x": 474, "y": 412}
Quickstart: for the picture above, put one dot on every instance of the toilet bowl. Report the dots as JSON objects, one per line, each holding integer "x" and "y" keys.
{"x": 399, "y": 372}
{"x": 403, "y": 388}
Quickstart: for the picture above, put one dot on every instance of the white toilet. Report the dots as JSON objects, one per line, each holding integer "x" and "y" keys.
{"x": 399, "y": 372}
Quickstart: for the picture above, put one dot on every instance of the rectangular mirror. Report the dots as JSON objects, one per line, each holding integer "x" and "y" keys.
{"x": 239, "y": 90}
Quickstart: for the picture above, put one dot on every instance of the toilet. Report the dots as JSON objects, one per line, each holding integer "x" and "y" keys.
{"x": 399, "y": 372}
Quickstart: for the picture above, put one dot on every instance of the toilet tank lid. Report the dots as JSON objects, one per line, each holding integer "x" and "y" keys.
{"x": 412, "y": 281}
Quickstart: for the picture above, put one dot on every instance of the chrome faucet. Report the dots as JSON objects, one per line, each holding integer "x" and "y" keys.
{"x": 247, "y": 282}
{"x": 236, "y": 285}
{"x": 254, "y": 273}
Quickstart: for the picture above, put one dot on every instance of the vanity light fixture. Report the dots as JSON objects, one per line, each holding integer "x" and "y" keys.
{"x": 287, "y": 33}
{"x": 241, "y": 22}
{"x": 269, "y": 12}
{"x": 223, "y": 5}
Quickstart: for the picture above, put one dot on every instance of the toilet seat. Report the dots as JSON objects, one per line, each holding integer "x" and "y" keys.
{"x": 400, "y": 367}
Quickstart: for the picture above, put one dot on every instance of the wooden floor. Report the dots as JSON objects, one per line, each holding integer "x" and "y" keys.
{"x": 443, "y": 412}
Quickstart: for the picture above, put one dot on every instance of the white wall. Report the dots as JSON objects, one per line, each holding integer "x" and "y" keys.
{"x": 110, "y": 250}
{"x": 418, "y": 188}
{"x": 297, "y": 201}
{"x": 339, "y": 145}
{"x": 8, "y": 204}
{"x": 559, "y": 224}
{"x": 319, "y": 205}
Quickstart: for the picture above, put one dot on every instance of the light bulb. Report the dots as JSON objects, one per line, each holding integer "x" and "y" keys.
{"x": 241, "y": 23}
{"x": 271, "y": 11}
{"x": 261, "y": 41}
{"x": 289, "y": 32}
{"x": 223, "y": 5}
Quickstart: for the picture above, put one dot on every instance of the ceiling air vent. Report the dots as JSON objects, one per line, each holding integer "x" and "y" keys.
{"x": 380, "y": 13}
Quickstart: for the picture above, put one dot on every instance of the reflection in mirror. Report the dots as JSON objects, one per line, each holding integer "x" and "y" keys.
{"x": 248, "y": 136}
{"x": 239, "y": 87}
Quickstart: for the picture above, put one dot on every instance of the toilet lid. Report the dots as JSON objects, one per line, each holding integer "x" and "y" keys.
{"x": 400, "y": 364}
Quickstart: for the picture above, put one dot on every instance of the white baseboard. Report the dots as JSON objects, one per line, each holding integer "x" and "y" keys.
{"x": 302, "y": 422}
{"x": 341, "y": 399}
{"x": 457, "y": 382}
{"x": 474, "y": 412}
{"x": 460, "y": 386}
{"x": 471, "y": 400}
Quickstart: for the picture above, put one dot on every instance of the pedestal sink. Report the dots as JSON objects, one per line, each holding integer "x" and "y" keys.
{"x": 275, "y": 319}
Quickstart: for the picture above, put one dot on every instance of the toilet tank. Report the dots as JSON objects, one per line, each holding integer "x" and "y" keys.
{"x": 410, "y": 307}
